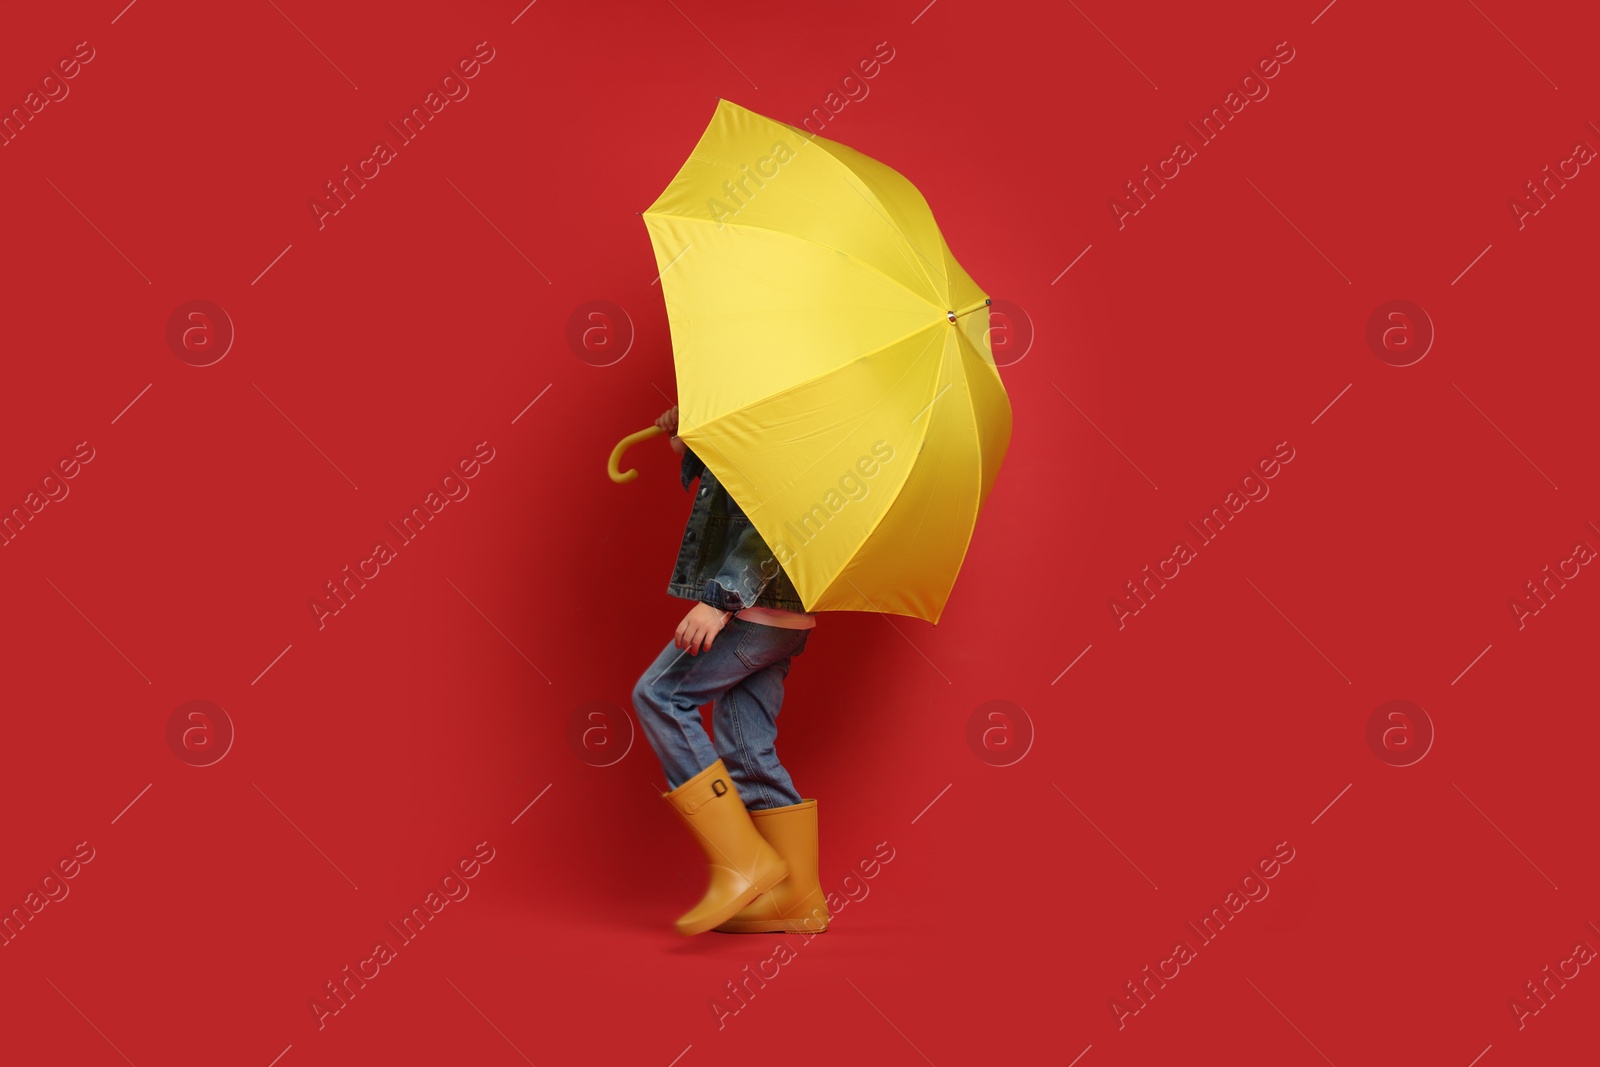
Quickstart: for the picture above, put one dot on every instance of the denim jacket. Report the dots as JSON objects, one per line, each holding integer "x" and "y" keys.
{"x": 723, "y": 560}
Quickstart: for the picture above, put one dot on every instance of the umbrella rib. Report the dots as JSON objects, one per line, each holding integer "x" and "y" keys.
{"x": 977, "y": 440}
{"x": 971, "y": 525}
{"x": 972, "y": 406}
{"x": 847, "y": 172}
{"x": 850, "y": 173}
{"x": 944, "y": 278}
{"x": 820, "y": 244}
{"x": 823, "y": 374}
{"x": 834, "y": 578}
{"x": 923, "y": 517}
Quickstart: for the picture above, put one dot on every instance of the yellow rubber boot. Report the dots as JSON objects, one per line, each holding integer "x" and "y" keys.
{"x": 797, "y": 904}
{"x": 743, "y": 865}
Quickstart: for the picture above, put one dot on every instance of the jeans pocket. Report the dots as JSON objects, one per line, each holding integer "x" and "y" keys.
{"x": 761, "y": 645}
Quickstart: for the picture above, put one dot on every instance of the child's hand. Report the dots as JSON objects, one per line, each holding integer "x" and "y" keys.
{"x": 669, "y": 422}
{"x": 698, "y": 627}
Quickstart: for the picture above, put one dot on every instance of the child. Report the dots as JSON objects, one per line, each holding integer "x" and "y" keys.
{"x": 733, "y": 648}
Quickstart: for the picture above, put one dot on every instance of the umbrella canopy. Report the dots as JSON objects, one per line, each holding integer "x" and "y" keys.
{"x": 833, "y": 362}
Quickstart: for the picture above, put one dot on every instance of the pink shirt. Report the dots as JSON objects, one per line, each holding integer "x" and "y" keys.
{"x": 789, "y": 620}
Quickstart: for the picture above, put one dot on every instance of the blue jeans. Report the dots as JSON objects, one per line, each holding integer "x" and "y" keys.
{"x": 742, "y": 674}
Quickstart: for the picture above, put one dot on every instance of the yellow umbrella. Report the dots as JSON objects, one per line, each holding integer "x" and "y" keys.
{"x": 831, "y": 369}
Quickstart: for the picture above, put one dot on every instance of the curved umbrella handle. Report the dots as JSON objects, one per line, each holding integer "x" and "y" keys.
{"x": 614, "y": 463}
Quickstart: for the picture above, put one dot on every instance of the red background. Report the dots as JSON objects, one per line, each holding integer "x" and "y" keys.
{"x": 1228, "y": 715}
